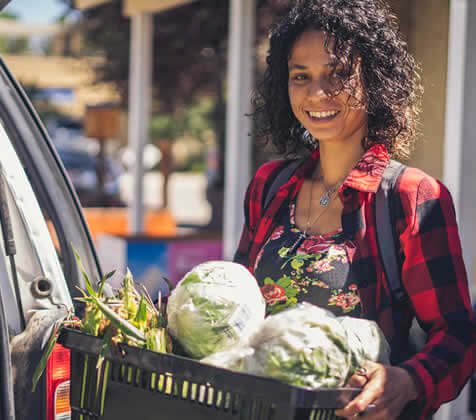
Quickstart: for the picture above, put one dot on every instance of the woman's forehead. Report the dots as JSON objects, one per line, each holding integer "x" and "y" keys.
{"x": 310, "y": 48}
{"x": 316, "y": 48}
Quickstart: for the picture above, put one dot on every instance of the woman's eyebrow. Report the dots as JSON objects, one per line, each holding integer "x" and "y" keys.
{"x": 297, "y": 67}
{"x": 303, "y": 67}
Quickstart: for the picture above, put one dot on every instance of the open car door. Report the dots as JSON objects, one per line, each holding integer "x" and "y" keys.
{"x": 40, "y": 220}
{"x": 7, "y": 403}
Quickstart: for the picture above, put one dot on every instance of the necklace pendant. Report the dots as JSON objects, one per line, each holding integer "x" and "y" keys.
{"x": 325, "y": 199}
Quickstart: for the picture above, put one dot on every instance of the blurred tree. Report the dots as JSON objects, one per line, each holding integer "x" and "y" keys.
{"x": 191, "y": 45}
{"x": 10, "y": 44}
{"x": 8, "y": 15}
{"x": 193, "y": 121}
{"x": 191, "y": 56}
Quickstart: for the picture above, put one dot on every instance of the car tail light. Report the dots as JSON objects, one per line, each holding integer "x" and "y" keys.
{"x": 58, "y": 372}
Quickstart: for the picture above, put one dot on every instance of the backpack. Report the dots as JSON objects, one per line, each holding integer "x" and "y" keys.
{"x": 386, "y": 237}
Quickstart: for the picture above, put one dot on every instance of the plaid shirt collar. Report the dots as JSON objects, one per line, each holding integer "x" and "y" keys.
{"x": 365, "y": 176}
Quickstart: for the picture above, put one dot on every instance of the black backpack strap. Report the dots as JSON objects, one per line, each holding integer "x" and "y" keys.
{"x": 385, "y": 229}
{"x": 283, "y": 176}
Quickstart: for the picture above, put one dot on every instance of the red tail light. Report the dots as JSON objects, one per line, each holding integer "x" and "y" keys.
{"x": 58, "y": 372}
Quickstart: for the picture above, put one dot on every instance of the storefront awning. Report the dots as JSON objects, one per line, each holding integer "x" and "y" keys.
{"x": 88, "y": 4}
{"x": 12, "y": 28}
{"x": 134, "y": 7}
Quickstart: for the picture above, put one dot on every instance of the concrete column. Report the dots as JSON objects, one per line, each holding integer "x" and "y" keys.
{"x": 455, "y": 97}
{"x": 428, "y": 40}
{"x": 460, "y": 147}
{"x": 140, "y": 88}
{"x": 238, "y": 126}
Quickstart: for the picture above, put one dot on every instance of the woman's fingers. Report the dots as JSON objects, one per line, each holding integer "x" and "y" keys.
{"x": 383, "y": 410}
{"x": 357, "y": 381}
{"x": 388, "y": 388}
{"x": 371, "y": 391}
{"x": 372, "y": 388}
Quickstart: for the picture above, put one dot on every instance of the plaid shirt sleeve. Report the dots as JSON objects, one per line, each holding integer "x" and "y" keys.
{"x": 434, "y": 276}
{"x": 253, "y": 209}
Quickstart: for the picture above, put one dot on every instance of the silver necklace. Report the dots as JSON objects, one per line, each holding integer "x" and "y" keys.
{"x": 326, "y": 198}
{"x": 324, "y": 201}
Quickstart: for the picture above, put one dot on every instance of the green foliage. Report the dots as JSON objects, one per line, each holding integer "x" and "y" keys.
{"x": 9, "y": 44}
{"x": 129, "y": 317}
{"x": 195, "y": 164}
{"x": 193, "y": 120}
{"x": 13, "y": 45}
{"x": 8, "y": 15}
{"x": 190, "y": 123}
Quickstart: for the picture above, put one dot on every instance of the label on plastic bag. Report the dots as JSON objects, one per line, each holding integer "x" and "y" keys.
{"x": 238, "y": 321}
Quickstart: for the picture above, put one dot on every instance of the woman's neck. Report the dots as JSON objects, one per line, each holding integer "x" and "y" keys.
{"x": 337, "y": 159}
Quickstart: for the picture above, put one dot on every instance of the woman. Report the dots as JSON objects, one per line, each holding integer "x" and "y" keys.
{"x": 341, "y": 82}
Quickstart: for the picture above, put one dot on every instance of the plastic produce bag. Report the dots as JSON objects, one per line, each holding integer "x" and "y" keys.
{"x": 233, "y": 359}
{"x": 304, "y": 346}
{"x": 366, "y": 341}
{"x": 215, "y": 305}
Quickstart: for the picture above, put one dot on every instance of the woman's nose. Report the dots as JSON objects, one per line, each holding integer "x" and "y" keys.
{"x": 319, "y": 87}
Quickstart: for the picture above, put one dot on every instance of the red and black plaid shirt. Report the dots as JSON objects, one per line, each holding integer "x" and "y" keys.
{"x": 432, "y": 269}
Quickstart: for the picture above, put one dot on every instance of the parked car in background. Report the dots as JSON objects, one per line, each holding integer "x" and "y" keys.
{"x": 63, "y": 130}
{"x": 81, "y": 167}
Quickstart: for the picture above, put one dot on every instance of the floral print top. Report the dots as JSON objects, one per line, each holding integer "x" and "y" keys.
{"x": 292, "y": 268}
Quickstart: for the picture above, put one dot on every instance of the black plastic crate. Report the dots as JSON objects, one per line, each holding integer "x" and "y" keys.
{"x": 140, "y": 384}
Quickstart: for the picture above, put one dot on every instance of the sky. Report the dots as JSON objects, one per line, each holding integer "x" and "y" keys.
{"x": 36, "y": 11}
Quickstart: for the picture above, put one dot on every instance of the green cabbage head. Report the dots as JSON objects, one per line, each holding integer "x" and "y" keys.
{"x": 304, "y": 346}
{"x": 215, "y": 305}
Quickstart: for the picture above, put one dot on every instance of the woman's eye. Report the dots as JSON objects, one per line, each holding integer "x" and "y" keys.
{"x": 339, "y": 74}
{"x": 299, "y": 77}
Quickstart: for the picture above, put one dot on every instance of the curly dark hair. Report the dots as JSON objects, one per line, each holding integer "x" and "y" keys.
{"x": 390, "y": 76}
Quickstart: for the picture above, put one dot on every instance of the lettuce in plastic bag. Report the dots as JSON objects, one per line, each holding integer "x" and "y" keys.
{"x": 215, "y": 305}
{"x": 304, "y": 346}
{"x": 366, "y": 341}
{"x": 233, "y": 359}
{"x": 307, "y": 346}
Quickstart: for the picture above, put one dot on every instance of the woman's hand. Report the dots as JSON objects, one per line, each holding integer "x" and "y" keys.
{"x": 387, "y": 388}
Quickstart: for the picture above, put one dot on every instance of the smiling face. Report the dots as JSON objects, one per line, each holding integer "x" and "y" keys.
{"x": 329, "y": 118}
